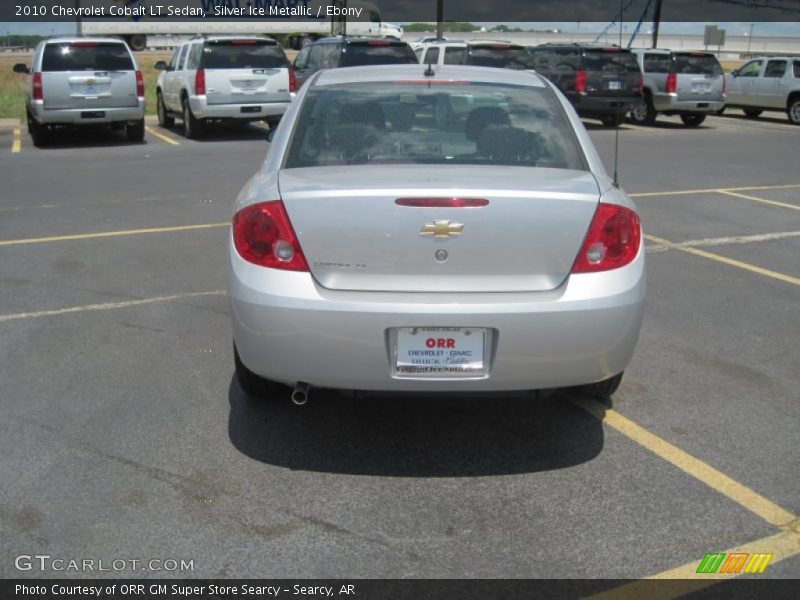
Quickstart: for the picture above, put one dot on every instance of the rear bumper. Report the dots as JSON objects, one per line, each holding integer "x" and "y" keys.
{"x": 289, "y": 329}
{"x": 602, "y": 105}
{"x": 256, "y": 110}
{"x": 674, "y": 103}
{"x": 86, "y": 116}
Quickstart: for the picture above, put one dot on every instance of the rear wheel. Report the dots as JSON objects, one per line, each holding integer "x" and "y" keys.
{"x": 793, "y": 110}
{"x": 39, "y": 133}
{"x": 720, "y": 112}
{"x": 273, "y": 122}
{"x": 253, "y": 385}
{"x": 611, "y": 120}
{"x": 134, "y": 131}
{"x": 644, "y": 113}
{"x": 751, "y": 113}
{"x": 692, "y": 120}
{"x": 192, "y": 127}
{"x": 600, "y": 390}
{"x": 164, "y": 119}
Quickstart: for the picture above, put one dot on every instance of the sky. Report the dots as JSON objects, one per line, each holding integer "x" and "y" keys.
{"x": 733, "y": 29}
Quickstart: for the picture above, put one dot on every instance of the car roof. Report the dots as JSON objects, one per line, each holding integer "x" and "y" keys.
{"x": 388, "y": 73}
{"x": 358, "y": 38}
{"x": 246, "y": 36}
{"x": 91, "y": 40}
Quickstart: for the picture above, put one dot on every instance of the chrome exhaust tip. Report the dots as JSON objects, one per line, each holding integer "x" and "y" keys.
{"x": 300, "y": 393}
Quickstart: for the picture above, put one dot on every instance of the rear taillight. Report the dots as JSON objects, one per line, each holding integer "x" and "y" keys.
{"x": 611, "y": 242}
{"x": 580, "y": 81}
{"x": 139, "y": 84}
{"x": 263, "y": 235}
{"x": 200, "y": 82}
{"x": 38, "y": 90}
{"x": 292, "y": 80}
{"x": 672, "y": 83}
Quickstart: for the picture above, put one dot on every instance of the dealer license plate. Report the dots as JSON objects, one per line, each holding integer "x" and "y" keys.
{"x": 440, "y": 352}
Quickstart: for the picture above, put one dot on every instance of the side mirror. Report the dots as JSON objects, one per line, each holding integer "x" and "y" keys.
{"x": 160, "y": 66}
{"x": 271, "y": 134}
{"x": 21, "y": 68}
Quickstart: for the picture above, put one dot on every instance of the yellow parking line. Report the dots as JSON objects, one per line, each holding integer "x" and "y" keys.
{"x": 716, "y": 480}
{"x": 16, "y": 142}
{"x": 685, "y": 579}
{"x": 103, "y": 234}
{"x": 724, "y": 259}
{"x": 762, "y": 200}
{"x": 108, "y": 305}
{"x": 716, "y": 190}
{"x": 162, "y": 137}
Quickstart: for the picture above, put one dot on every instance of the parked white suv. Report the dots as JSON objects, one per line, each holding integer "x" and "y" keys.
{"x": 80, "y": 82}
{"x": 242, "y": 78}
{"x": 771, "y": 83}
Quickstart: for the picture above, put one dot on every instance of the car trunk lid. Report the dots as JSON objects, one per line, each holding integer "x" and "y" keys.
{"x": 611, "y": 72}
{"x": 699, "y": 76}
{"x": 246, "y": 71}
{"x": 355, "y": 235}
{"x": 87, "y": 75}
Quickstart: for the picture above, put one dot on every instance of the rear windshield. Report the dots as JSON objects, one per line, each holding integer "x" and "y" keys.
{"x": 505, "y": 57}
{"x": 86, "y": 56}
{"x": 357, "y": 55}
{"x": 610, "y": 61}
{"x": 697, "y": 64}
{"x": 243, "y": 54}
{"x": 410, "y": 122}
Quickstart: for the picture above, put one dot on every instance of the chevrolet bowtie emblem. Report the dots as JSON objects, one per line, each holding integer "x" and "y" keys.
{"x": 442, "y": 229}
{"x": 91, "y": 81}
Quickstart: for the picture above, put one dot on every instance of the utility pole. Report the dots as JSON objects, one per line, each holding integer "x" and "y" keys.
{"x": 656, "y": 22}
{"x": 439, "y": 18}
{"x": 750, "y": 38}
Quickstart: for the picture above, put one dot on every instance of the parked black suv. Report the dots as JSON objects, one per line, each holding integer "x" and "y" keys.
{"x": 333, "y": 52}
{"x": 602, "y": 82}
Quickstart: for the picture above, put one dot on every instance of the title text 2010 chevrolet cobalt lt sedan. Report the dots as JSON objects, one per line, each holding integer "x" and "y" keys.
{"x": 379, "y": 249}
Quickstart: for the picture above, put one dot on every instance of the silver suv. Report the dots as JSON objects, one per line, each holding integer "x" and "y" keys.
{"x": 767, "y": 84}
{"x": 242, "y": 78}
{"x": 688, "y": 84}
{"x": 83, "y": 81}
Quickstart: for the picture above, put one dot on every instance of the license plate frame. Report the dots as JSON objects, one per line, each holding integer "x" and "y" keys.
{"x": 447, "y": 352}
{"x": 250, "y": 109}
{"x": 615, "y": 86}
{"x": 93, "y": 114}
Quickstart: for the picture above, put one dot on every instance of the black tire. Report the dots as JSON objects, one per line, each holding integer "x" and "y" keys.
{"x": 135, "y": 131}
{"x": 693, "y": 120}
{"x": 720, "y": 112}
{"x": 164, "y": 118}
{"x": 40, "y": 134}
{"x": 600, "y": 390}
{"x": 793, "y": 110}
{"x": 192, "y": 127}
{"x": 273, "y": 122}
{"x": 611, "y": 120}
{"x": 752, "y": 113}
{"x": 252, "y": 384}
{"x": 138, "y": 43}
{"x": 644, "y": 113}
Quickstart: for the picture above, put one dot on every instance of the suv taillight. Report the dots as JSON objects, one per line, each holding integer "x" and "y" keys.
{"x": 611, "y": 242}
{"x": 672, "y": 83}
{"x": 38, "y": 90}
{"x": 580, "y": 81}
{"x": 139, "y": 84}
{"x": 263, "y": 235}
{"x": 200, "y": 82}
{"x": 292, "y": 80}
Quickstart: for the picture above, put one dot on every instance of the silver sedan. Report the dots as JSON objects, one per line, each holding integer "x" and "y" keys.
{"x": 448, "y": 230}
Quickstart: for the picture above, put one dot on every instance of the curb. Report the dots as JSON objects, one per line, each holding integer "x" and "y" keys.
{"x": 10, "y": 124}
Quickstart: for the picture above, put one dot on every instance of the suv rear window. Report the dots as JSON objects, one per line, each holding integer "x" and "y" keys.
{"x": 499, "y": 55}
{"x": 610, "y": 61}
{"x": 86, "y": 56}
{"x": 399, "y": 123}
{"x": 378, "y": 53}
{"x": 697, "y": 64}
{"x": 243, "y": 54}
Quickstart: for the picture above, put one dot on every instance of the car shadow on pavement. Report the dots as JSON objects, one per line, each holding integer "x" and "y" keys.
{"x": 414, "y": 435}
{"x": 225, "y": 132}
{"x": 102, "y": 137}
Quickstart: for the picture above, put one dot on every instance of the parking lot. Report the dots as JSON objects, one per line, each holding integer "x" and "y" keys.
{"x": 125, "y": 435}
